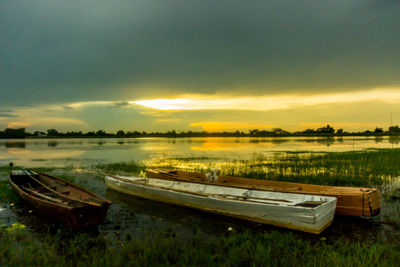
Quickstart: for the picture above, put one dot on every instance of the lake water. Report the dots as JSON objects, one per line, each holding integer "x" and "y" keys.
{"x": 138, "y": 217}
{"x": 71, "y": 151}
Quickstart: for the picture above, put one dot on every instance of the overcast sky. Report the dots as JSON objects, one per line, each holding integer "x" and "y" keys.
{"x": 87, "y": 64}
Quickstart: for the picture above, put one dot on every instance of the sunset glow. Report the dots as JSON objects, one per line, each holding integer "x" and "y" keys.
{"x": 229, "y": 126}
{"x": 144, "y": 66}
{"x": 265, "y": 103}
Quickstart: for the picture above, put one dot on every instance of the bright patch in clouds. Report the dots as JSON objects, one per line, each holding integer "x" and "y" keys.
{"x": 265, "y": 103}
{"x": 19, "y": 124}
{"x": 90, "y": 103}
{"x": 229, "y": 126}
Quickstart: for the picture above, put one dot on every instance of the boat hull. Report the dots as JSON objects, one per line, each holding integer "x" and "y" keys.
{"x": 77, "y": 216}
{"x": 351, "y": 201}
{"x": 312, "y": 220}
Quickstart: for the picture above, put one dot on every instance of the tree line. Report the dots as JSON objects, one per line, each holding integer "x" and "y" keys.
{"x": 323, "y": 131}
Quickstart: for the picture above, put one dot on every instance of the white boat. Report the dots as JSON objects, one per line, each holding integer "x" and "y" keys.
{"x": 308, "y": 213}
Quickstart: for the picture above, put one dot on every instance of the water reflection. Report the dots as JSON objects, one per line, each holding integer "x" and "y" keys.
{"x": 15, "y": 144}
{"x": 328, "y": 141}
{"x": 61, "y": 152}
{"x": 395, "y": 140}
{"x": 52, "y": 143}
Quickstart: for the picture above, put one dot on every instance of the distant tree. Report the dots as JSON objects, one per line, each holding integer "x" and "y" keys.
{"x": 52, "y": 132}
{"x": 394, "y": 129}
{"x": 72, "y": 133}
{"x": 120, "y": 133}
{"x": 171, "y": 133}
{"x": 254, "y": 132}
{"x": 378, "y": 130}
{"x": 13, "y": 133}
{"x": 279, "y": 131}
{"x": 100, "y": 133}
{"x": 326, "y": 130}
{"x": 136, "y": 133}
{"x": 339, "y": 131}
{"x": 38, "y": 133}
{"x": 309, "y": 131}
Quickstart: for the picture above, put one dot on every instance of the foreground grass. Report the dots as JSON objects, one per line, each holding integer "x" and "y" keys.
{"x": 239, "y": 249}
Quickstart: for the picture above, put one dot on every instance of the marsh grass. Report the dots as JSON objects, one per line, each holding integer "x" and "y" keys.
{"x": 239, "y": 249}
{"x": 6, "y": 194}
{"x": 360, "y": 168}
{"x": 122, "y": 167}
{"x": 256, "y": 248}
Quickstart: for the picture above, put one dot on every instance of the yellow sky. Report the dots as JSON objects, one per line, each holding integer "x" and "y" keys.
{"x": 266, "y": 102}
{"x": 352, "y": 111}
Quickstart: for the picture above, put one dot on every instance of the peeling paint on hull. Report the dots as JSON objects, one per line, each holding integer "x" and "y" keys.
{"x": 278, "y": 209}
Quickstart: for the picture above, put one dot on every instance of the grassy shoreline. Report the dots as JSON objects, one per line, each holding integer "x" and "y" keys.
{"x": 274, "y": 247}
{"x": 368, "y": 168}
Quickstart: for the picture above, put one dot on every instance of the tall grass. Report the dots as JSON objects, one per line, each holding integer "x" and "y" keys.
{"x": 360, "y": 168}
{"x": 272, "y": 248}
{"x": 239, "y": 249}
{"x": 122, "y": 167}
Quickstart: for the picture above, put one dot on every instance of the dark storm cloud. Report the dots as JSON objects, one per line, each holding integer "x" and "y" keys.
{"x": 7, "y": 110}
{"x": 111, "y": 50}
{"x": 6, "y": 115}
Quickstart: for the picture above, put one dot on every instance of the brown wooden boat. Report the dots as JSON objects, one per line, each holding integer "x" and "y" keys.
{"x": 351, "y": 201}
{"x": 59, "y": 199}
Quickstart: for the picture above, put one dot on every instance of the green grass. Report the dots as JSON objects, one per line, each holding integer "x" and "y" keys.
{"x": 122, "y": 167}
{"x": 363, "y": 168}
{"x": 239, "y": 249}
{"x": 368, "y": 168}
{"x": 274, "y": 248}
{"x": 6, "y": 194}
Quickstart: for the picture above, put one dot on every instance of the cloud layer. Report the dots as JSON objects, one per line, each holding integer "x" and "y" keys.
{"x": 69, "y": 51}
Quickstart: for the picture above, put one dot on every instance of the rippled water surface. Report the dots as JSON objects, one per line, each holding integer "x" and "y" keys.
{"x": 64, "y": 152}
{"x": 137, "y": 216}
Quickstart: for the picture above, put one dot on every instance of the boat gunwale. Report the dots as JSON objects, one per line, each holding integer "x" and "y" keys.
{"x": 323, "y": 221}
{"x": 29, "y": 196}
{"x": 104, "y": 201}
{"x": 348, "y": 198}
{"x": 346, "y": 190}
{"x": 328, "y": 199}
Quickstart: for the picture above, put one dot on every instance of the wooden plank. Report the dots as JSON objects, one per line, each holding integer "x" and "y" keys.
{"x": 352, "y": 201}
{"x": 56, "y": 200}
{"x": 62, "y": 195}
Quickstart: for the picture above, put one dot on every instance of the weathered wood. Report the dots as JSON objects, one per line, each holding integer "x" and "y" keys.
{"x": 62, "y": 195}
{"x": 52, "y": 199}
{"x": 351, "y": 201}
{"x": 76, "y": 209}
